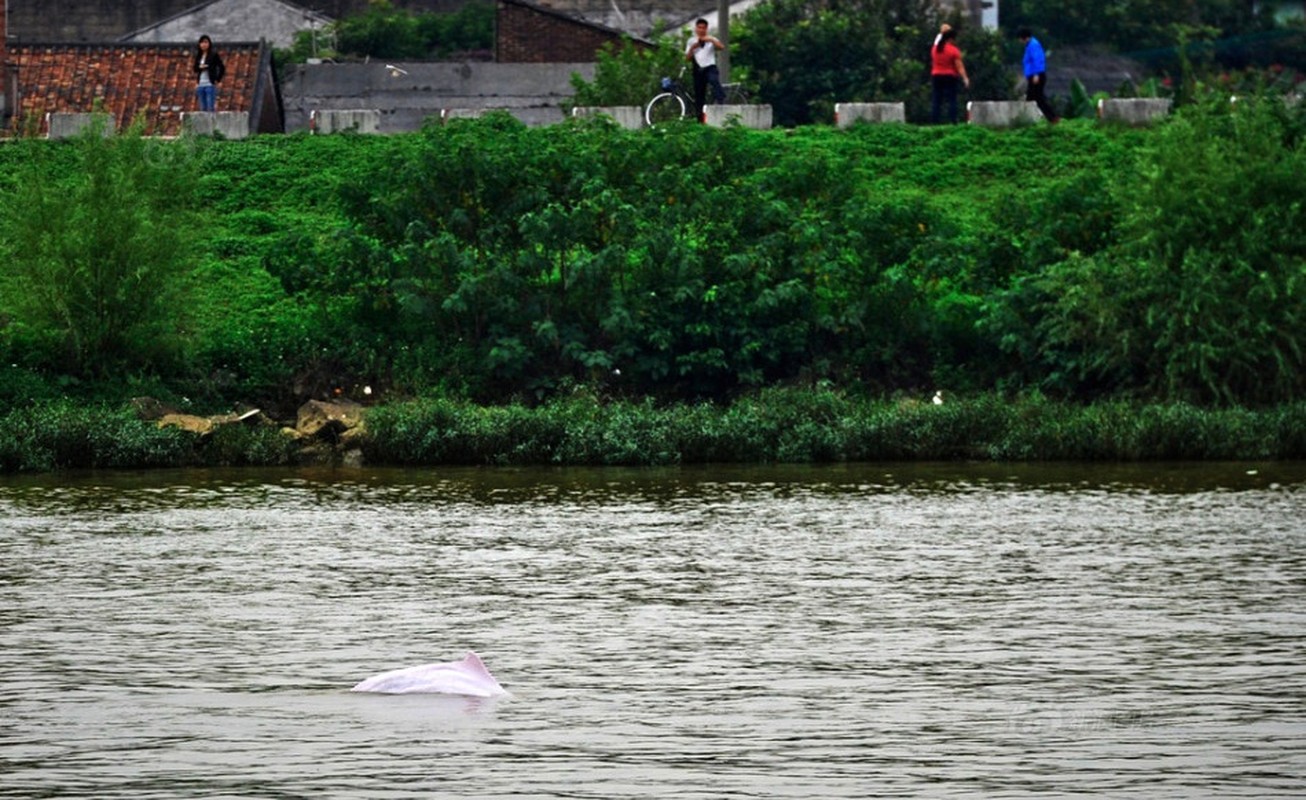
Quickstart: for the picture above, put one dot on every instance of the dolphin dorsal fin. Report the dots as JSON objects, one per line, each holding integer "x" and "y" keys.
{"x": 474, "y": 662}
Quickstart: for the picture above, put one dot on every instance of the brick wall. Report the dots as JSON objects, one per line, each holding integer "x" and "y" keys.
{"x": 531, "y": 34}
{"x": 640, "y": 17}
{"x": 6, "y": 96}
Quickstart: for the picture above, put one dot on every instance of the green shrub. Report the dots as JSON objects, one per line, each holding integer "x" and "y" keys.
{"x": 1203, "y": 297}
{"x": 247, "y": 446}
{"x": 99, "y": 253}
{"x": 66, "y": 435}
{"x": 628, "y": 74}
{"x": 385, "y": 32}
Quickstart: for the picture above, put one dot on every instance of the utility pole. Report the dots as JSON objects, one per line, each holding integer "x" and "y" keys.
{"x": 723, "y": 33}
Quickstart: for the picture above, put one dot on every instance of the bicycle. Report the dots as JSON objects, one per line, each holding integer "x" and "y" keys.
{"x": 675, "y": 100}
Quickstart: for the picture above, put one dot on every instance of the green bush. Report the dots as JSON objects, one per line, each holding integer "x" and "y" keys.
{"x": 98, "y": 252}
{"x": 63, "y": 434}
{"x": 806, "y": 57}
{"x": 627, "y": 73}
{"x": 820, "y": 426}
{"x": 490, "y": 261}
{"x": 247, "y": 446}
{"x": 385, "y": 32}
{"x": 1203, "y": 297}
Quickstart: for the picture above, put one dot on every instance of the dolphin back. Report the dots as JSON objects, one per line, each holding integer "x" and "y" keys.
{"x": 468, "y": 677}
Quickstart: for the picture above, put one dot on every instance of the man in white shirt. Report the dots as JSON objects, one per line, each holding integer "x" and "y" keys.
{"x": 700, "y": 51}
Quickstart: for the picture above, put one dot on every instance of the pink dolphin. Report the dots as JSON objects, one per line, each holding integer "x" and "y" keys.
{"x": 467, "y": 677}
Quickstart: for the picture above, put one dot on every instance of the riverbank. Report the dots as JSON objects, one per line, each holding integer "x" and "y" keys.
{"x": 773, "y": 426}
{"x": 1083, "y": 262}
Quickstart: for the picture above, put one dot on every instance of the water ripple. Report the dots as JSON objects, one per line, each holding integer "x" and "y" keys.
{"x": 914, "y": 630}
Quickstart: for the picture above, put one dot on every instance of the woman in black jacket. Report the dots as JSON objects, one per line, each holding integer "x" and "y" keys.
{"x": 208, "y": 73}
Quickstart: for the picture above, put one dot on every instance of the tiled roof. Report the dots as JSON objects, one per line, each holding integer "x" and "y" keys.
{"x": 127, "y": 80}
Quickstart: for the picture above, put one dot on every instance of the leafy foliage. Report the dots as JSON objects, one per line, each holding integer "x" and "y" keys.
{"x": 65, "y": 435}
{"x": 627, "y": 73}
{"x": 99, "y": 253}
{"x": 490, "y": 261}
{"x": 1203, "y": 297}
{"x": 386, "y": 32}
{"x": 807, "y": 56}
{"x": 1129, "y": 25}
{"x": 797, "y": 426}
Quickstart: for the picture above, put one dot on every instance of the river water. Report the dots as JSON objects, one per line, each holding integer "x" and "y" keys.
{"x": 808, "y": 632}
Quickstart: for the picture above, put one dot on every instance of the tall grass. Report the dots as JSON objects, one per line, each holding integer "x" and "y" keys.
{"x": 799, "y": 426}
{"x": 62, "y": 434}
{"x": 785, "y": 425}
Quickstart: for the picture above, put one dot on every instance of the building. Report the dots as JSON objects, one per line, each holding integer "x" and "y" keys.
{"x": 8, "y": 92}
{"x": 153, "y": 83}
{"x": 110, "y": 20}
{"x": 528, "y": 32}
{"x": 638, "y": 17}
{"x": 277, "y": 21}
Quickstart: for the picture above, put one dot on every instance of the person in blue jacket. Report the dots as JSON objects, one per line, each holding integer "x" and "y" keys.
{"x": 1036, "y": 74}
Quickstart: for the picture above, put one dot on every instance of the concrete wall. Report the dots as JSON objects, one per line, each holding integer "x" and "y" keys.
{"x": 846, "y": 114}
{"x": 359, "y": 120}
{"x": 228, "y": 124}
{"x": 631, "y": 117}
{"x": 1133, "y": 111}
{"x": 235, "y": 21}
{"x": 1002, "y": 113}
{"x": 65, "y": 126}
{"x": 408, "y": 95}
{"x": 749, "y": 116}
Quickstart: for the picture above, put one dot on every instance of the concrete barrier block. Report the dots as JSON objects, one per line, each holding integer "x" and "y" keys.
{"x": 64, "y": 125}
{"x": 847, "y": 114}
{"x": 1002, "y": 113}
{"x": 447, "y": 114}
{"x": 749, "y": 116}
{"x": 1132, "y": 110}
{"x": 229, "y": 124}
{"x": 529, "y": 115}
{"x": 335, "y": 120}
{"x": 631, "y": 117}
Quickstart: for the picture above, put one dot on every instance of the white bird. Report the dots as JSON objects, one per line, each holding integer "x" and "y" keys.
{"x": 395, "y": 72}
{"x": 938, "y": 398}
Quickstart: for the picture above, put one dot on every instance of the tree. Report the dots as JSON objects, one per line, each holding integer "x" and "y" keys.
{"x": 807, "y": 56}
{"x": 98, "y": 257}
{"x": 627, "y": 73}
{"x": 387, "y": 32}
{"x": 1131, "y": 26}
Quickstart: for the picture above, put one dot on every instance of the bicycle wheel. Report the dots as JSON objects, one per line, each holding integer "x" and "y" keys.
{"x": 663, "y": 109}
{"x": 736, "y": 94}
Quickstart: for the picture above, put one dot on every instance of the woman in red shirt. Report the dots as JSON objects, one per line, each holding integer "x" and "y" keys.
{"x": 946, "y": 72}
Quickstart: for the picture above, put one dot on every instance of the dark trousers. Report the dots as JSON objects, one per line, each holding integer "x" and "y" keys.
{"x": 704, "y": 77}
{"x": 1034, "y": 92}
{"x": 945, "y": 91}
